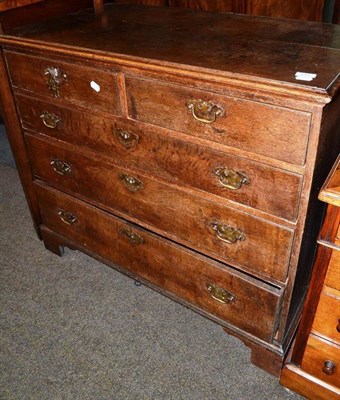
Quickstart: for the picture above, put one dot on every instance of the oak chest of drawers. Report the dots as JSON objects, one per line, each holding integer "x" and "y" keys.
{"x": 185, "y": 149}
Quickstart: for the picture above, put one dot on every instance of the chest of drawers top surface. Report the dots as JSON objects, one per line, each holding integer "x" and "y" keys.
{"x": 224, "y": 44}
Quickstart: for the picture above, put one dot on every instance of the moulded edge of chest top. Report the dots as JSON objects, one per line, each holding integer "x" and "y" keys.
{"x": 231, "y": 84}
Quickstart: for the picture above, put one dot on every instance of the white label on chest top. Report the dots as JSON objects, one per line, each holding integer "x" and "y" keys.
{"x": 304, "y": 76}
{"x": 94, "y": 85}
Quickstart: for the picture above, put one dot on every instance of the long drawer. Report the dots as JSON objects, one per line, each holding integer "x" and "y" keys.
{"x": 268, "y": 130}
{"x": 232, "y": 236}
{"x": 75, "y": 84}
{"x": 230, "y": 296}
{"x": 151, "y": 150}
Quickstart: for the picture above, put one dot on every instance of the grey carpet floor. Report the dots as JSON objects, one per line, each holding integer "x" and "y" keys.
{"x": 73, "y": 328}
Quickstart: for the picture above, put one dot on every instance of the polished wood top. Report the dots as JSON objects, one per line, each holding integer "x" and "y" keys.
{"x": 255, "y": 48}
{"x": 330, "y": 192}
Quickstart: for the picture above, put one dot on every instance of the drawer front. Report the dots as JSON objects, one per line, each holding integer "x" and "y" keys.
{"x": 255, "y": 245}
{"x": 322, "y": 360}
{"x": 179, "y": 271}
{"x": 89, "y": 87}
{"x": 333, "y": 274}
{"x": 229, "y": 177}
{"x": 259, "y": 128}
{"x": 327, "y": 319}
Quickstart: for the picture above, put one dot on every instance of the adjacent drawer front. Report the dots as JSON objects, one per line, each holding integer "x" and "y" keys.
{"x": 322, "y": 360}
{"x": 327, "y": 318}
{"x": 268, "y": 130}
{"x": 89, "y": 87}
{"x": 250, "y": 183}
{"x": 248, "y": 304}
{"x": 333, "y": 274}
{"x": 227, "y": 234}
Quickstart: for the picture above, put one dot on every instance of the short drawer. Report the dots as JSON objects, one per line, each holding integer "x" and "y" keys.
{"x": 268, "y": 130}
{"x": 322, "y": 360}
{"x": 208, "y": 285}
{"x": 333, "y": 274}
{"x": 89, "y": 87}
{"x": 327, "y": 319}
{"x": 153, "y": 151}
{"x": 232, "y": 236}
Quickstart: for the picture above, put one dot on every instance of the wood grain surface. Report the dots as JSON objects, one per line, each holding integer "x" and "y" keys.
{"x": 235, "y": 44}
{"x": 169, "y": 266}
{"x": 318, "y": 351}
{"x": 28, "y": 74}
{"x": 173, "y": 212}
{"x": 9, "y": 4}
{"x": 177, "y": 160}
{"x": 251, "y": 126}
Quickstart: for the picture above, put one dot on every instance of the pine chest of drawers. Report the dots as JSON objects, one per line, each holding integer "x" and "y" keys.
{"x": 185, "y": 149}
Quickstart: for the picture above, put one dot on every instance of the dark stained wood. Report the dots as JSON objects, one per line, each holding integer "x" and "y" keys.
{"x": 185, "y": 217}
{"x": 251, "y": 126}
{"x": 298, "y": 9}
{"x": 152, "y": 58}
{"x": 176, "y": 160}
{"x": 52, "y": 243}
{"x": 336, "y": 14}
{"x": 40, "y": 11}
{"x": 28, "y": 74}
{"x": 301, "y": 9}
{"x": 17, "y": 142}
{"x": 255, "y": 47}
{"x": 143, "y": 2}
{"x": 98, "y": 6}
{"x": 207, "y": 5}
{"x": 9, "y": 4}
{"x": 175, "y": 269}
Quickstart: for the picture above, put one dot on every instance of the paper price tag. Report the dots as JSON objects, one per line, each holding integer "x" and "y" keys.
{"x": 94, "y": 85}
{"x": 304, "y": 76}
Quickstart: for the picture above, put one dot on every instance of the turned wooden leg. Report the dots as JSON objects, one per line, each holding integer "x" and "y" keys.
{"x": 52, "y": 242}
{"x": 263, "y": 358}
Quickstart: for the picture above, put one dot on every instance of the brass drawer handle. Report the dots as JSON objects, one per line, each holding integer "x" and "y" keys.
{"x": 221, "y": 295}
{"x": 55, "y": 77}
{"x": 227, "y": 233}
{"x": 205, "y": 111}
{"x": 231, "y": 179}
{"x": 67, "y": 217}
{"x": 50, "y": 120}
{"x": 61, "y": 167}
{"x": 132, "y": 183}
{"x": 132, "y": 236}
{"x": 127, "y": 139}
{"x": 329, "y": 367}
